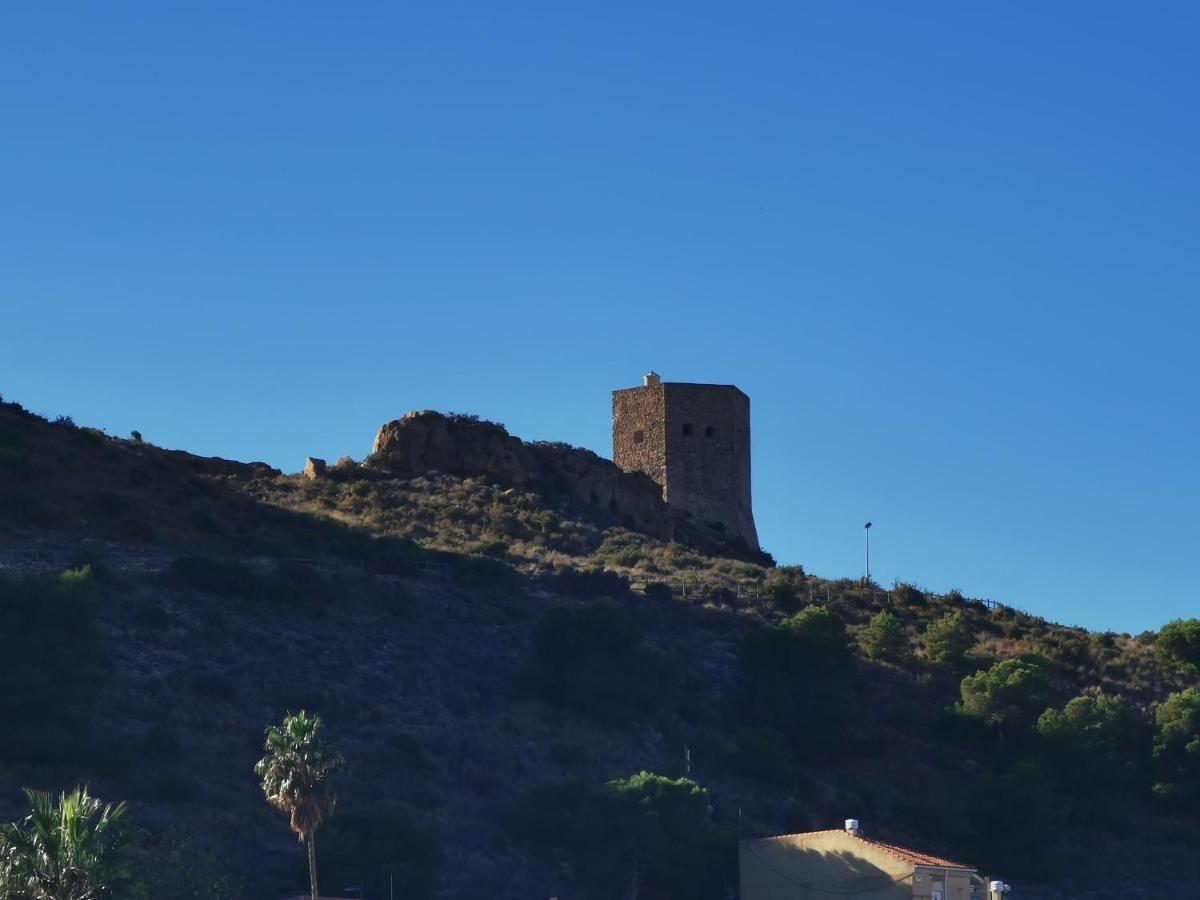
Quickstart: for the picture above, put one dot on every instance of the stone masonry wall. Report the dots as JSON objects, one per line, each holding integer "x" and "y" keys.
{"x": 639, "y": 436}
{"x": 708, "y": 456}
{"x": 695, "y": 442}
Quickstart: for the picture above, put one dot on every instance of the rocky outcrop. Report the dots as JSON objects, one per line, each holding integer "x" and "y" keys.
{"x": 464, "y": 445}
{"x": 458, "y": 445}
{"x": 314, "y": 468}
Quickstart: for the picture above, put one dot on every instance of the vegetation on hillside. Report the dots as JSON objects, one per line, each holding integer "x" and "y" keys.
{"x": 54, "y": 662}
{"x": 645, "y": 836}
{"x": 501, "y": 662}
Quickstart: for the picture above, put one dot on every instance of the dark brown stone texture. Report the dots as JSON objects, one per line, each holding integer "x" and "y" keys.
{"x": 694, "y": 441}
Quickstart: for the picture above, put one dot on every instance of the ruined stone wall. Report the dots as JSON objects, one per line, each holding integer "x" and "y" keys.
{"x": 708, "y": 457}
{"x": 693, "y": 440}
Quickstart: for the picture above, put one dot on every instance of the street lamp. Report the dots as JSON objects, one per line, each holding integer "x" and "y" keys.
{"x": 867, "y": 533}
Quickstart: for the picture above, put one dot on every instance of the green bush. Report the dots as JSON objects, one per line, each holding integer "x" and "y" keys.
{"x": 1178, "y": 645}
{"x": 783, "y": 587}
{"x": 1103, "y": 640}
{"x": 663, "y": 839}
{"x": 885, "y": 639}
{"x": 821, "y": 635}
{"x": 654, "y": 830}
{"x": 904, "y": 594}
{"x": 54, "y": 660}
{"x": 1067, "y": 648}
{"x": 1009, "y": 694}
{"x": 591, "y": 659}
{"x": 1017, "y": 625}
{"x": 622, "y": 548}
{"x": 812, "y": 641}
{"x": 780, "y": 593}
{"x": 790, "y": 679}
{"x": 1177, "y": 746}
{"x": 646, "y": 828}
{"x": 1096, "y": 739}
{"x": 949, "y": 639}
{"x": 545, "y": 521}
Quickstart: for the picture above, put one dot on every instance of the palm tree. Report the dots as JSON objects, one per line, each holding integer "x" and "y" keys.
{"x": 67, "y": 849}
{"x": 298, "y": 772}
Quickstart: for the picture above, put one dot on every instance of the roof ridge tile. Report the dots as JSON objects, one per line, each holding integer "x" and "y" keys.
{"x": 916, "y": 857}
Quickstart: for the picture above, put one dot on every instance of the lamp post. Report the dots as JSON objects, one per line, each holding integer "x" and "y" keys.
{"x": 867, "y": 534}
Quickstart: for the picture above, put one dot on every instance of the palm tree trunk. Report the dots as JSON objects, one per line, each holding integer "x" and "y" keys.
{"x": 312, "y": 862}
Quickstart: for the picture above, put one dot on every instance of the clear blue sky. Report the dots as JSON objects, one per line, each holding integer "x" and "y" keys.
{"x": 950, "y": 251}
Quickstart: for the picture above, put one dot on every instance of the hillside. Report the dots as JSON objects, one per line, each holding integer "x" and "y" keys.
{"x": 492, "y": 630}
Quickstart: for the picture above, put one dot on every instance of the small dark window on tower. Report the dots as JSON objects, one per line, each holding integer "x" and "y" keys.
{"x": 687, "y": 429}
{"x": 709, "y": 431}
{"x": 638, "y": 437}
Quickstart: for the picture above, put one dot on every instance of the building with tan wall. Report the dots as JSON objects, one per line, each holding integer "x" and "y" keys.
{"x": 694, "y": 440}
{"x": 823, "y": 864}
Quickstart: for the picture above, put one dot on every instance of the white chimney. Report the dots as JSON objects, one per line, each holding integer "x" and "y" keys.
{"x": 651, "y": 378}
{"x": 852, "y": 826}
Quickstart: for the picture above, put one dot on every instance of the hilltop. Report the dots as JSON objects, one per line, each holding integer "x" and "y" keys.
{"x": 492, "y": 629}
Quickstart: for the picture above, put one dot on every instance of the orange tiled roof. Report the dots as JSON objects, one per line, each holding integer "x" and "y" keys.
{"x": 915, "y": 857}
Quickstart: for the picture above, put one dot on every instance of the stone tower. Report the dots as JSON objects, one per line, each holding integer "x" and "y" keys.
{"x": 694, "y": 440}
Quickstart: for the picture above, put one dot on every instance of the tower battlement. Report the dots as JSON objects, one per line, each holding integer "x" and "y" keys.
{"x": 694, "y": 441}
